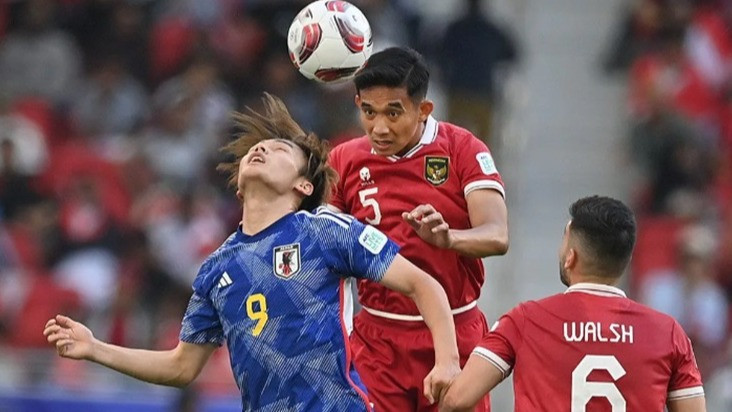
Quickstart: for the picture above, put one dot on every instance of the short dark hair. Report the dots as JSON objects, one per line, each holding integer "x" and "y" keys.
{"x": 606, "y": 227}
{"x": 276, "y": 123}
{"x": 395, "y": 67}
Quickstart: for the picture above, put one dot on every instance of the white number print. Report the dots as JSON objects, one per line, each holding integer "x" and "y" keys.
{"x": 366, "y": 202}
{"x": 583, "y": 391}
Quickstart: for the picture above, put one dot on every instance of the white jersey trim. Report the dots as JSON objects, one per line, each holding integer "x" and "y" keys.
{"x": 348, "y": 300}
{"x": 686, "y": 393}
{"x": 484, "y": 184}
{"x": 342, "y": 219}
{"x": 496, "y": 360}
{"x": 322, "y": 211}
{"x": 416, "y": 318}
{"x": 333, "y": 208}
{"x": 596, "y": 289}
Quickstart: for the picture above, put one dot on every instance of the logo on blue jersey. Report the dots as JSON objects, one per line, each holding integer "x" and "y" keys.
{"x": 372, "y": 239}
{"x": 286, "y": 260}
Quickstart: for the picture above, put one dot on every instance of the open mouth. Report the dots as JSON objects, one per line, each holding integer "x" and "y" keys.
{"x": 256, "y": 158}
{"x": 382, "y": 144}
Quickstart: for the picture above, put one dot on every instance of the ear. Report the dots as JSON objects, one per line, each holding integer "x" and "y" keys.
{"x": 357, "y": 100}
{"x": 239, "y": 195}
{"x": 304, "y": 187}
{"x": 425, "y": 109}
{"x": 570, "y": 260}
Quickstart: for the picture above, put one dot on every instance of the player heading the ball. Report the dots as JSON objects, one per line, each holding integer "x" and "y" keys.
{"x": 276, "y": 292}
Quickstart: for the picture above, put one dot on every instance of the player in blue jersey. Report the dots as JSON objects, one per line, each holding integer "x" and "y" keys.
{"x": 276, "y": 292}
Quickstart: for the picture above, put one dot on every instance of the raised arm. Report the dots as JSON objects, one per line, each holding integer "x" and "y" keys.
{"x": 432, "y": 303}
{"x": 176, "y": 367}
{"x": 478, "y": 377}
{"x": 488, "y": 235}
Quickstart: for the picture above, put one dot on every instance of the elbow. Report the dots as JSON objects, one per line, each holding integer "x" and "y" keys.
{"x": 495, "y": 242}
{"x": 502, "y": 246}
{"x": 452, "y": 403}
{"x": 180, "y": 378}
{"x": 183, "y": 380}
{"x": 183, "y": 372}
{"x": 498, "y": 246}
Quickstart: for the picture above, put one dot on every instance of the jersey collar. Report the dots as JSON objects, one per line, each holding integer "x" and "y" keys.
{"x": 596, "y": 289}
{"x": 429, "y": 134}
{"x": 275, "y": 227}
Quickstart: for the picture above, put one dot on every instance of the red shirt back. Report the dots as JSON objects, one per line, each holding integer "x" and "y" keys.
{"x": 448, "y": 163}
{"x": 592, "y": 349}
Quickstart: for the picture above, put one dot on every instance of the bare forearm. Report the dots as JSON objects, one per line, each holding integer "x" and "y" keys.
{"x": 697, "y": 404}
{"x": 434, "y": 307}
{"x": 477, "y": 378}
{"x": 479, "y": 242}
{"x": 444, "y": 407}
{"x": 488, "y": 235}
{"x": 159, "y": 367}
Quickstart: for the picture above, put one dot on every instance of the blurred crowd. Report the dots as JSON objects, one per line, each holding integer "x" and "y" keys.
{"x": 112, "y": 111}
{"x": 111, "y": 116}
{"x": 677, "y": 59}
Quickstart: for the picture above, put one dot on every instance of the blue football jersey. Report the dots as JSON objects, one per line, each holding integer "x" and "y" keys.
{"x": 282, "y": 303}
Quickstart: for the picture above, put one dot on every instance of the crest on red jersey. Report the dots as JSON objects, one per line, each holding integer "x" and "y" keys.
{"x": 365, "y": 175}
{"x": 436, "y": 169}
{"x": 286, "y": 260}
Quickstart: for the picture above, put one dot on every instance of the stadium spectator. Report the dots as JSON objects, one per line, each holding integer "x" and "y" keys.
{"x": 110, "y": 102}
{"x": 637, "y": 35}
{"x": 691, "y": 295}
{"x": 29, "y": 51}
{"x": 171, "y": 144}
{"x": 24, "y": 147}
{"x": 474, "y": 49}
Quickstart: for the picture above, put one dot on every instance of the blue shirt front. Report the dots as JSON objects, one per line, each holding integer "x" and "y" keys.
{"x": 281, "y": 301}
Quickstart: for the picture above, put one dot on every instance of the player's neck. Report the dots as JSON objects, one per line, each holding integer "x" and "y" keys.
{"x": 260, "y": 210}
{"x": 598, "y": 280}
{"x": 415, "y": 139}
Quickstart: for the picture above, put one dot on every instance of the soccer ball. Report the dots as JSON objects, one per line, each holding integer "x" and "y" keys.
{"x": 329, "y": 41}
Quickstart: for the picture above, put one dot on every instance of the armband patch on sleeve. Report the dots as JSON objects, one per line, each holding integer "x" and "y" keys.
{"x": 372, "y": 239}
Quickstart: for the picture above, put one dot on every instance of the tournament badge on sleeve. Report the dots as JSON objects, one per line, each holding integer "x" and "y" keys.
{"x": 287, "y": 260}
{"x": 436, "y": 169}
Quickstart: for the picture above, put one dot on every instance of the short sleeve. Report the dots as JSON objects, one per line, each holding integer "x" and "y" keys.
{"x": 476, "y": 167}
{"x": 685, "y": 379}
{"x": 336, "y": 195}
{"x": 352, "y": 248}
{"x": 201, "y": 323}
{"x": 501, "y": 344}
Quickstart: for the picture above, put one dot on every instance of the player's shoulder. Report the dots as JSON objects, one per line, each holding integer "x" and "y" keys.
{"x": 551, "y": 300}
{"x": 538, "y": 308}
{"x": 358, "y": 146}
{"x": 529, "y": 308}
{"x": 217, "y": 261}
{"x": 661, "y": 322}
{"x": 455, "y": 134}
{"x": 325, "y": 219}
{"x": 653, "y": 316}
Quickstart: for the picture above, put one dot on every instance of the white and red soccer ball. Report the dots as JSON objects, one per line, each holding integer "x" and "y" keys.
{"x": 329, "y": 41}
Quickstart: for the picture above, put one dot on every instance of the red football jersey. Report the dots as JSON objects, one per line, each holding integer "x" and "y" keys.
{"x": 592, "y": 349}
{"x": 446, "y": 164}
